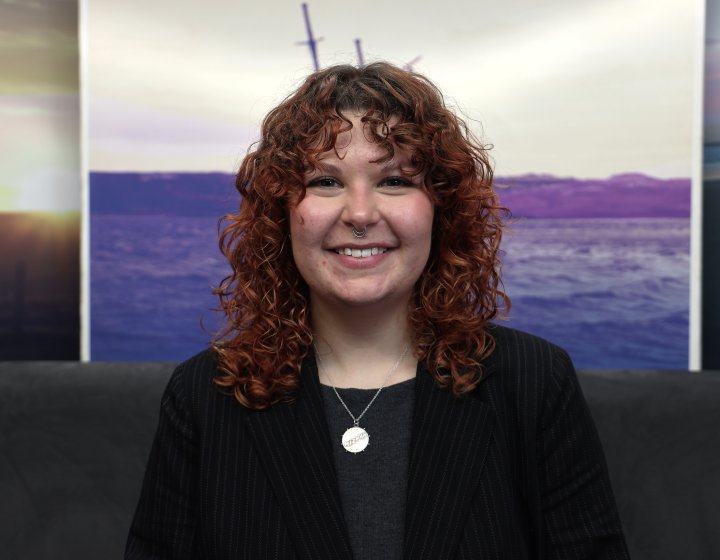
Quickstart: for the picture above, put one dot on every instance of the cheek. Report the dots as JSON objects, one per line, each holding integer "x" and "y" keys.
{"x": 297, "y": 235}
{"x": 305, "y": 238}
{"x": 306, "y": 217}
{"x": 297, "y": 221}
{"x": 419, "y": 220}
{"x": 303, "y": 227}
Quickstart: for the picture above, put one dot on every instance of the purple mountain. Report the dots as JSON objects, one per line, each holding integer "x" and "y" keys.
{"x": 169, "y": 194}
{"x": 630, "y": 195}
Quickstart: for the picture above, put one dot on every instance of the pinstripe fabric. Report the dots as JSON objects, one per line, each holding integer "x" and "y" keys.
{"x": 513, "y": 471}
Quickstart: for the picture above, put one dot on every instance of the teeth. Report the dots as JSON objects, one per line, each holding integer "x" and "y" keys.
{"x": 361, "y": 253}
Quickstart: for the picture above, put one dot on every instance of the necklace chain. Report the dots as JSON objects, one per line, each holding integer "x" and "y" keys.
{"x": 356, "y": 420}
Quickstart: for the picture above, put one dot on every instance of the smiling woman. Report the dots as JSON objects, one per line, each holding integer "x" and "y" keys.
{"x": 360, "y": 403}
{"x": 373, "y": 150}
{"x": 350, "y": 191}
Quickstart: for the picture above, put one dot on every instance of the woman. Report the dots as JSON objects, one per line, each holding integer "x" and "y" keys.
{"x": 360, "y": 403}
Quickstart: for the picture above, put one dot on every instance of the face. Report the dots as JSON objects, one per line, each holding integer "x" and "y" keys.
{"x": 349, "y": 191}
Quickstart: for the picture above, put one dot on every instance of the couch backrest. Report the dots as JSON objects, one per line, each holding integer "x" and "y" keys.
{"x": 74, "y": 439}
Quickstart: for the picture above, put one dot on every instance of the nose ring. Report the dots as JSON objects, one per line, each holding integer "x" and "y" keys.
{"x": 359, "y": 233}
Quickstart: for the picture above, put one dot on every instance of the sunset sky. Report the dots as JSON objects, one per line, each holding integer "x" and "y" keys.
{"x": 570, "y": 87}
{"x": 39, "y": 106}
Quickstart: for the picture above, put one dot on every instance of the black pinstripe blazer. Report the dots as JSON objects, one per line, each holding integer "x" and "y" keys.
{"x": 513, "y": 471}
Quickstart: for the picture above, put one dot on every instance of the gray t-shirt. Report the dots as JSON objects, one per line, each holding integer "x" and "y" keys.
{"x": 373, "y": 483}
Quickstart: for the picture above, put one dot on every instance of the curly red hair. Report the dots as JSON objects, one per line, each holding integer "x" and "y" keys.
{"x": 268, "y": 331}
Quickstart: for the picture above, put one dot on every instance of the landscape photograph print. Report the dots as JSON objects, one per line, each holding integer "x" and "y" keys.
{"x": 586, "y": 108}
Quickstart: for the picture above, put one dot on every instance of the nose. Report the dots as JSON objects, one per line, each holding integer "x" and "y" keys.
{"x": 361, "y": 208}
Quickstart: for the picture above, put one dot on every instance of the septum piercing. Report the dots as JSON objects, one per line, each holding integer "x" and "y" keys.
{"x": 359, "y": 234}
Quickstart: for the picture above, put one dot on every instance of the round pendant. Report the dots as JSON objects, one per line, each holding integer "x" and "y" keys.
{"x": 355, "y": 439}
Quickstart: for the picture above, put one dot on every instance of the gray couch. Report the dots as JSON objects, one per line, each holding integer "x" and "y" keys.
{"x": 74, "y": 439}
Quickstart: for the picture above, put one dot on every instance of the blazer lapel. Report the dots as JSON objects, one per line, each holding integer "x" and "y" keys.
{"x": 293, "y": 443}
{"x": 450, "y": 440}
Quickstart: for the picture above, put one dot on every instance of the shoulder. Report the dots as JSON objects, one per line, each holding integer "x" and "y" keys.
{"x": 527, "y": 365}
{"x": 543, "y": 417}
{"x": 194, "y": 373}
{"x": 201, "y": 366}
{"x": 517, "y": 349}
{"x": 191, "y": 385}
{"x": 532, "y": 385}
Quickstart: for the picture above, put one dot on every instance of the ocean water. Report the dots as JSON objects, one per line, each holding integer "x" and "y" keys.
{"x": 613, "y": 292}
{"x": 151, "y": 280}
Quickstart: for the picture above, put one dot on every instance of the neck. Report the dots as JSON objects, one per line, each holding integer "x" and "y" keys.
{"x": 358, "y": 347}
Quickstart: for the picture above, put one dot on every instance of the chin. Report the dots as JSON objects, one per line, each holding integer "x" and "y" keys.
{"x": 370, "y": 298}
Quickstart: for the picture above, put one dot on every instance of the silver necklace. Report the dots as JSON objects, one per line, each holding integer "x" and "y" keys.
{"x": 356, "y": 439}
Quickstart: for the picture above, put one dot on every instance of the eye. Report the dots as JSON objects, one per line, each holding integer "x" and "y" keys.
{"x": 324, "y": 182}
{"x": 396, "y": 182}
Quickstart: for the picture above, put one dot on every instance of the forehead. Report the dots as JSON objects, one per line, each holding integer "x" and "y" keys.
{"x": 361, "y": 136}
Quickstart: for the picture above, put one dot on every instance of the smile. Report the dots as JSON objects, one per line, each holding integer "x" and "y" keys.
{"x": 361, "y": 253}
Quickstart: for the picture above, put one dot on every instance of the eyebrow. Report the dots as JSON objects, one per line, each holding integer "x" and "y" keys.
{"x": 328, "y": 167}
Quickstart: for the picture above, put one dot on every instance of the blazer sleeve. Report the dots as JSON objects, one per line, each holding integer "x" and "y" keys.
{"x": 165, "y": 522}
{"x": 579, "y": 515}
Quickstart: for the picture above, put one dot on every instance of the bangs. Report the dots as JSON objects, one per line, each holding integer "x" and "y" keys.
{"x": 386, "y": 130}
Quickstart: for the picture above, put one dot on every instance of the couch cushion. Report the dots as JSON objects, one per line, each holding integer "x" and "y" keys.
{"x": 660, "y": 435}
{"x": 74, "y": 439}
